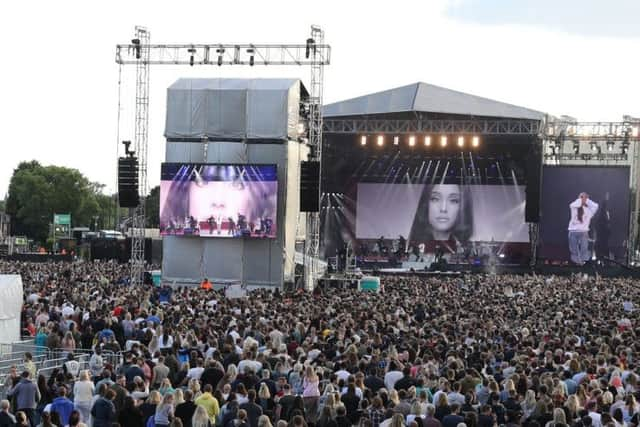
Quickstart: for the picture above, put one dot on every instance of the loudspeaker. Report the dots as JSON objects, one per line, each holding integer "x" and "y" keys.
{"x": 533, "y": 172}
{"x": 310, "y": 186}
{"x": 128, "y": 182}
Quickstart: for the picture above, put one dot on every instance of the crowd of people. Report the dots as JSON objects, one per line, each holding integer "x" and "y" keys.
{"x": 474, "y": 351}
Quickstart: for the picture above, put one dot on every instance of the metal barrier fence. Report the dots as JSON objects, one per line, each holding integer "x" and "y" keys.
{"x": 45, "y": 359}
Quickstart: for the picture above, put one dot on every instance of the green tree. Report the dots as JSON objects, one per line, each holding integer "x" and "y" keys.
{"x": 36, "y": 192}
{"x": 152, "y": 207}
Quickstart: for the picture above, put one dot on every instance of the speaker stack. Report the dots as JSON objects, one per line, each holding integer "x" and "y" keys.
{"x": 128, "y": 182}
{"x": 310, "y": 186}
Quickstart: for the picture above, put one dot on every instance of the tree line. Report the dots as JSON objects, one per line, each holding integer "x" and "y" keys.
{"x": 37, "y": 192}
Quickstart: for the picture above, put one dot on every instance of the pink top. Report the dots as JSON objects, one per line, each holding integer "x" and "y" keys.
{"x": 310, "y": 388}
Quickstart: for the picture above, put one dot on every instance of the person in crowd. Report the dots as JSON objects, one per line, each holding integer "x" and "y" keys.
{"x": 83, "y": 395}
{"x": 186, "y": 410}
{"x": 131, "y": 415}
{"x": 164, "y": 412}
{"x": 210, "y": 403}
{"x": 7, "y": 419}
{"x": 62, "y": 405}
{"x": 27, "y": 395}
{"x": 103, "y": 412}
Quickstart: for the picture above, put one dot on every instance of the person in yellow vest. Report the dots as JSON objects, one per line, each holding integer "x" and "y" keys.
{"x": 206, "y": 285}
{"x": 210, "y": 403}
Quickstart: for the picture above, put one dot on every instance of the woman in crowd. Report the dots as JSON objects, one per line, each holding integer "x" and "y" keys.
{"x": 83, "y": 396}
{"x": 164, "y": 412}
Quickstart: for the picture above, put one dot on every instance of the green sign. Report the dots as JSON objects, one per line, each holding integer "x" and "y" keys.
{"x": 62, "y": 219}
{"x": 21, "y": 241}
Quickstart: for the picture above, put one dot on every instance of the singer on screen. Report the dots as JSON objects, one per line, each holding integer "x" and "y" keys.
{"x": 445, "y": 215}
{"x": 582, "y": 211}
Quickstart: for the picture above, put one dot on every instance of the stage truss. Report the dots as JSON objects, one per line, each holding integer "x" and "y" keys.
{"x": 314, "y": 53}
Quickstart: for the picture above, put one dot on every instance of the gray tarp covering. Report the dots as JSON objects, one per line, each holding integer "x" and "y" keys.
{"x": 234, "y": 109}
{"x": 429, "y": 99}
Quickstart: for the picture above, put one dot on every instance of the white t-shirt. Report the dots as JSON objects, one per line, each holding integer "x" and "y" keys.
{"x": 195, "y": 373}
{"x": 391, "y": 378}
{"x": 588, "y": 212}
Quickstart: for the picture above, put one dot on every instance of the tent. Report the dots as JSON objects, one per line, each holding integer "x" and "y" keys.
{"x": 10, "y": 307}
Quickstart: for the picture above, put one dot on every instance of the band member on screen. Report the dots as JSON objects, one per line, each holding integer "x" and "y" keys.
{"x": 444, "y": 214}
{"x": 582, "y": 210}
{"x": 211, "y": 221}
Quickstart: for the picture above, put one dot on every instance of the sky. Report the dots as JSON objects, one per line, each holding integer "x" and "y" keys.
{"x": 60, "y": 92}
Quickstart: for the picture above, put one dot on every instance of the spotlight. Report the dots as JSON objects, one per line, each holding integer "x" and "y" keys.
{"x": 461, "y": 141}
{"x": 251, "y": 51}
{"x": 475, "y": 141}
{"x": 192, "y": 51}
{"x": 311, "y": 44}
{"x": 412, "y": 141}
{"x": 363, "y": 140}
{"x": 380, "y": 140}
{"x": 427, "y": 141}
{"x": 594, "y": 146}
{"x": 443, "y": 140}
{"x": 396, "y": 140}
{"x": 576, "y": 147}
{"x": 220, "y": 52}
{"x": 610, "y": 145}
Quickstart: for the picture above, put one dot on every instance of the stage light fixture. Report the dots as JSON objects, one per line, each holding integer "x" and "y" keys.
{"x": 380, "y": 140}
{"x": 220, "y": 52}
{"x": 475, "y": 141}
{"x": 461, "y": 141}
{"x": 443, "y": 140}
{"x": 396, "y": 140}
{"x": 363, "y": 140}
{"x": 594, "y": 146}
{"x": 576, "y": 147}
{"x": 412, "y": 141}
{"x": 610, "y": 145}
{"x": 427, "y": 141}
{"x": 251, "y": 51}
{"x": 192, "y": 51}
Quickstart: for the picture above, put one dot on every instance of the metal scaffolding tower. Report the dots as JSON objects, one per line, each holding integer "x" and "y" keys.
{"x": 142, "y": 54}
{"x": 312, "y": 246}
{"x": 141, "y": 134}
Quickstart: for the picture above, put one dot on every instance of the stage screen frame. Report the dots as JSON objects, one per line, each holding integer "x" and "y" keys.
{"x": 553, "y": 243}
{"x": 260, "y": 207}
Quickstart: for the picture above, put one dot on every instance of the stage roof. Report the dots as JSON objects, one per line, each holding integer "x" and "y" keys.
{"x": 423, "y": 97}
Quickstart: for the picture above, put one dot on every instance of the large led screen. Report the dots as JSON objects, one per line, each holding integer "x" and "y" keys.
{"x": 577, "y": 229}
{"x": 441, "y": 212}
{"x": 218, "y": 200}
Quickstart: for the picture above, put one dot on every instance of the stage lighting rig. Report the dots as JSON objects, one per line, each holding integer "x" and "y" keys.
{"x": 427, "y": 141}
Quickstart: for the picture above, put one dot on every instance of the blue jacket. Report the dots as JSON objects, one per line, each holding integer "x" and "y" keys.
{"x": 103, "y": 413}
{"x": 26, "y": 393}
{"x": 63, "y": 407}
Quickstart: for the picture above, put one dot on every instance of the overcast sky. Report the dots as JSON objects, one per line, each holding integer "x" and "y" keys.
{"x": 60, "y": 91}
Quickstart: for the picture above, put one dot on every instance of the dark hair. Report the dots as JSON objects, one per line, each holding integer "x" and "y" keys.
{"x": 74, "y": 418}
{"x": 422, "y": 231}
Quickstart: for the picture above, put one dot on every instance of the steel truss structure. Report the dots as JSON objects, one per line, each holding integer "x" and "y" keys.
{"x": 141, "y": 137}
{"x": 230, "y": 54}
{"x": 314, "y": 53}
{"x": 426, "y": 125}
{"x": 312, "y": 242}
